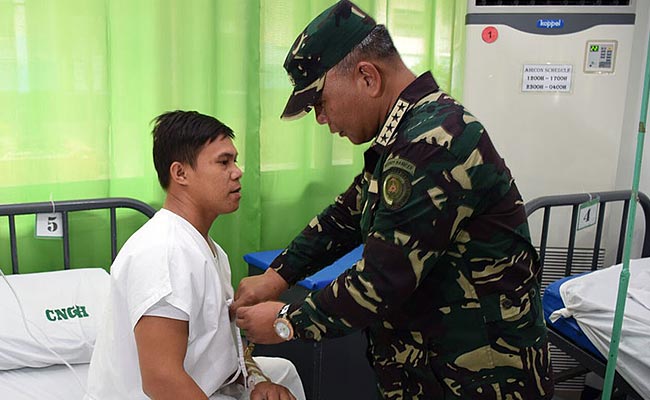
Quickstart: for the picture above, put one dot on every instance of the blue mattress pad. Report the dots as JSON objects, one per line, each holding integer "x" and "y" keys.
{"x": 322, "y": 278}
{"x": 569, "y": 327}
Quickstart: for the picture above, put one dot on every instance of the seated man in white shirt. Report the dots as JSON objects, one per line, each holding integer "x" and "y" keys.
{"x": 167, "y": 332}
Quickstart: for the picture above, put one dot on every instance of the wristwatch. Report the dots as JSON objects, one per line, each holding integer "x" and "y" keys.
{"x": 282, "y": 325}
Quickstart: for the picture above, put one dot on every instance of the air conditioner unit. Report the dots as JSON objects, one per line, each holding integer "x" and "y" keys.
{"x": 548, "y": 79}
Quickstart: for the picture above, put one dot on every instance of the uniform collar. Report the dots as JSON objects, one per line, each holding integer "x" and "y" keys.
{"x": 420, "y": 87}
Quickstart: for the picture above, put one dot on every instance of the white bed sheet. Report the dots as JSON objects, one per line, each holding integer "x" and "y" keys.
{"x": 50, "y": 383}
{"x": 591, "y": 300}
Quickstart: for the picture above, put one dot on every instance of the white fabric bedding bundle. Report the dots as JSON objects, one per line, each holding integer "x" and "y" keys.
{"x": 591, "y": 300}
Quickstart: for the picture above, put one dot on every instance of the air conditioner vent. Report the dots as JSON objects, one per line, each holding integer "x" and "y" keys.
{"x": 552, "y": 2}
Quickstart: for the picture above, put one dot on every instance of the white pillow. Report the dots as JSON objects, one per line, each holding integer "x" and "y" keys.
{"x": 63, "y": 310}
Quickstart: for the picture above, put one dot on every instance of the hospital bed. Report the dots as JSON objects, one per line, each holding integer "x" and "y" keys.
{"x": 568, "y": 276}
{"x": 62, "y": 306}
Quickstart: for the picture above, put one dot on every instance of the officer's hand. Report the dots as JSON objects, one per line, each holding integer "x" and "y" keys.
{"x": 271, "y": 391}
{"x": 258, "y": 320}
{"x": 258, "y": 288}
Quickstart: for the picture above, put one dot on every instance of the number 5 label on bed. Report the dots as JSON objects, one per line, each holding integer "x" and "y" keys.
{"x": 49, "y": 225}
{"x": 588, "y": 213}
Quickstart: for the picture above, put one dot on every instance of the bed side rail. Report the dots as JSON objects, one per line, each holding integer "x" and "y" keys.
{"x": 574, "y": 200}
{"x": 65, "y": 207}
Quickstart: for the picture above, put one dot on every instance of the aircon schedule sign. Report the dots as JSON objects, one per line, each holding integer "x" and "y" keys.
{"x": 546, "y": 78}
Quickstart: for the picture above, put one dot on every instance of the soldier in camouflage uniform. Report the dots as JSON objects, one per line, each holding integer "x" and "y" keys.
{"x": 447, "y": 289}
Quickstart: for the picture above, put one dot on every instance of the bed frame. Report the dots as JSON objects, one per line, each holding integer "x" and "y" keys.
{"x": 592, "y": 258}
{"x": 56, "y": 381}
{"x": 65, "y": 207}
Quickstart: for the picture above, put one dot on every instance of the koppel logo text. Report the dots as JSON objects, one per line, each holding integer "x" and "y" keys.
{"x": 550, "y": 23}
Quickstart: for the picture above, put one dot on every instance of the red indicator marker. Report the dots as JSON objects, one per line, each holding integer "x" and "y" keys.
{"x": 490, "y": 34}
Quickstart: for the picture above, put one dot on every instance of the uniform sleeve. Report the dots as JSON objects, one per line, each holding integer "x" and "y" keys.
{"x": 328, "y": 237}
{"x": 422, "y": 207}
{"x": 255, "y": 374}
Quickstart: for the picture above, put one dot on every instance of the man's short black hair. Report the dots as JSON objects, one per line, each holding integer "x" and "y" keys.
{"x": 179, "y": 136}
{"x": 377, "y": 45}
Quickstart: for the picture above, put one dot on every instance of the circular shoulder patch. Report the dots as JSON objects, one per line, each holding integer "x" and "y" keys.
{"x": 396, "y": 188}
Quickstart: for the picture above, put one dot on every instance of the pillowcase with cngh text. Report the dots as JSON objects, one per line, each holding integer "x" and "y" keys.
{"x": 63, "y": 310}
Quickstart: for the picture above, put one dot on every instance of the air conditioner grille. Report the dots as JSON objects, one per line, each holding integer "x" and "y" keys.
{"x": 555, "y": 260}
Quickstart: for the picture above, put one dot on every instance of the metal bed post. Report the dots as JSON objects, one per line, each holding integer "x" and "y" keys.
{"x": 599, "y": 235}
{"x": 544, "y": 239}
{"x": 621, "y": 236}
{"x": 66, "y": 241}
{"x": 14, "y": 247}
{"x": 113, "y": 234}
{"x": 572, "y": 240}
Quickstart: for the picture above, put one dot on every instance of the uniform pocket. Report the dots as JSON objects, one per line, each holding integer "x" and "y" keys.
{"x": 516, "y": 318}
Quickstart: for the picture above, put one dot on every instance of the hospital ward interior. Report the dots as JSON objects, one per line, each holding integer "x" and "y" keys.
{"x": 562, "y": 87}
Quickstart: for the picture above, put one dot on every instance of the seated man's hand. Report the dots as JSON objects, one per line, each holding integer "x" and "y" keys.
{"x": 258, "y": 288}
{"x": 258, "y": 320}
{"x": 271, "y": 391}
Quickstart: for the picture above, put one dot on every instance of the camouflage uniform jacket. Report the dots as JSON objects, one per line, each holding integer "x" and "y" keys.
{"x": 447, "y": 289}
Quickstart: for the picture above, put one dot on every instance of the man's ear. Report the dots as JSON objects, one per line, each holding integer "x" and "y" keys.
{"x": 369, "y": 78}
{"x": 178, "y": 173}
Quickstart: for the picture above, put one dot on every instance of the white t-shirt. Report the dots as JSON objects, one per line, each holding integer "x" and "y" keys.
{"x": 165, "y": 259}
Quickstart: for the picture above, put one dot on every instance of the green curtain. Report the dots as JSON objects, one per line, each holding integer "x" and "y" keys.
{"x": 81, "y": 80}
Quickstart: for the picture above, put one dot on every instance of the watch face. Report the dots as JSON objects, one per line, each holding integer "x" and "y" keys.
{"x": 282, "y": 329}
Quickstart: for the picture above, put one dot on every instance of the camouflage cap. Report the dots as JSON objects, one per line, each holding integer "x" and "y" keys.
{"x": 324, "y": 42}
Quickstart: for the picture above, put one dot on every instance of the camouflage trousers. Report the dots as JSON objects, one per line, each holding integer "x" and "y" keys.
{"x": 410, "y": 368}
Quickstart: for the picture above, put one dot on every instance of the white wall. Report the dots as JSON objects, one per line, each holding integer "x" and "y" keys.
{"x": 633, "y": 109}
{"x": 629, "y": 135}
